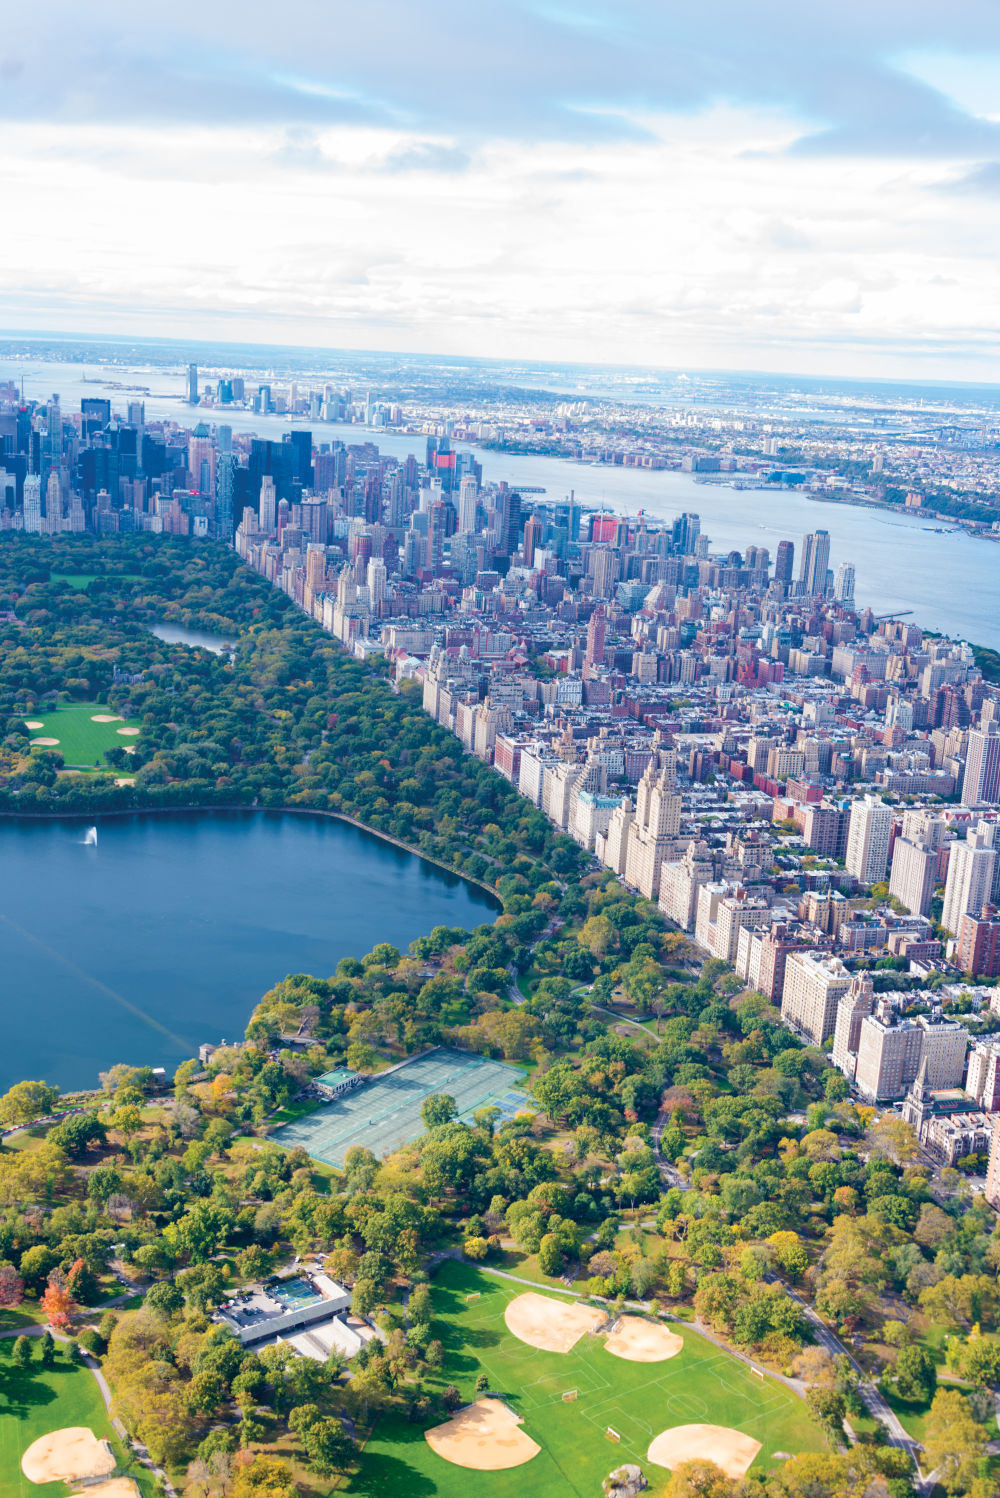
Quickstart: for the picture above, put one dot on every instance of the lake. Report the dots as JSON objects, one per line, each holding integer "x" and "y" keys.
{"x": 167, "y": 932}
{"x": 174, "y": 634}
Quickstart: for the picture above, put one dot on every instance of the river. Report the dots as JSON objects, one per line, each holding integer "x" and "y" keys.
{"x": 167, "y": 932}
{"x": 949, "y": 581}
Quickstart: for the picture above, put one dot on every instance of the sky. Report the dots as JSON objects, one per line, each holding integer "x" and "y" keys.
{"x": 771, "y": 186}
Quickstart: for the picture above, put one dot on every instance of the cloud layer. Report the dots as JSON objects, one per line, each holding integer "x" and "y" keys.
{"x": 770, "y": 186}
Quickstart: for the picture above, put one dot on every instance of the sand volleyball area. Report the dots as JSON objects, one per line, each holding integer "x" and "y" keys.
{"x": 485, "y": 1436}
{"x": 67, "y": 1455}
{"x": 551, "y": 1325}
{"x": 729, "y": 1449}
{"x": 639, "y": 1341}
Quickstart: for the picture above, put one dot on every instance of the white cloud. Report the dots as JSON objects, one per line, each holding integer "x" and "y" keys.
{"x": 703, "y": 242}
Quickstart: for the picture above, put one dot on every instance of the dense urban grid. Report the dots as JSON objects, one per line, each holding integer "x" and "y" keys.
{"x": 748, "y": 809}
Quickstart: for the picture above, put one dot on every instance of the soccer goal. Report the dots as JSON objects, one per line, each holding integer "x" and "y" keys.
{"x": 612, "y": 1434}
{"x": 474, "y": 1295}
{"x": 757, "y": 1373}
{"x": 569, "y": 1396}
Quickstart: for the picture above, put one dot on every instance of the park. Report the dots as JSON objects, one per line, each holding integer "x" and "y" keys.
{"x": 563, "y": 1419}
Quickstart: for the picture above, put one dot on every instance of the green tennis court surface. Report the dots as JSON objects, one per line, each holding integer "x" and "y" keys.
{"x": 384, "y": 1114}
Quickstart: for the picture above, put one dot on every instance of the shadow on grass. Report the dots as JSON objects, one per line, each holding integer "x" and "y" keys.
{"x": 20, "y": 1392}
{"x": 390, "y": 1476}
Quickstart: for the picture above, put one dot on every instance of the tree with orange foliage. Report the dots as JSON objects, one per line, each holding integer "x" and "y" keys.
{"x": 57, "y": 1303}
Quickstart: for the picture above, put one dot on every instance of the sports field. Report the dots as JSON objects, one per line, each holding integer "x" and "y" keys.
{"x": 702, "y": 1384}
{"x": 384, "y": 1113}
{"x": 36, "y": 1401}
{"x": 81, "y": 742}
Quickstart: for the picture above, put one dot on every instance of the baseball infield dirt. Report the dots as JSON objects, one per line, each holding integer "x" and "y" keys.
{"x": 640, "y": 1341}
{"x": 65, "y": 1455}
{"x": 727, "y": 1448}
{"x": 552, "y": 1325}
{"x": 484, "y": 1436}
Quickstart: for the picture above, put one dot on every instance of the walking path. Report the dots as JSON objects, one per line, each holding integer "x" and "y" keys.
{"x": 38, "y": 1329}
{"x": 872, "y": 1399}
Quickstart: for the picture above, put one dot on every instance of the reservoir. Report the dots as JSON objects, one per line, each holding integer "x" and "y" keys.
{"x": 167, "y": 932}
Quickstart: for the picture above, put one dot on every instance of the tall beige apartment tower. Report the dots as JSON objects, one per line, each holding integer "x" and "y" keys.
{"x": 970, "y": 876}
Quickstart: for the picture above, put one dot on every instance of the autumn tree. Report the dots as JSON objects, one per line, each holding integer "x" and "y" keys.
{"x": 57, "y": 1303}
{"x": 27, "y": 1100}
{"x": 11, "y": 1286}
{"x": 954, "y": 1443}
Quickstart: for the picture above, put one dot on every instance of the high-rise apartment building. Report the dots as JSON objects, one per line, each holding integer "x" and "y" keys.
{"x": 656, "y": 824}
{"x": 970, "y": 876}
{"x": 982, "y": 1080}
{"x": 814, "y": 984}
{"x": 868, "y": 839}
{"x": 192, "y": 384}
{"x": 992, "y": 1190}
{"x": 977, "y": 950}
{"x": 892, "y": 1051}
{"x": 981, "y": 782}
{"x": 815, "y": 562}
{"x": 914, "y": 871}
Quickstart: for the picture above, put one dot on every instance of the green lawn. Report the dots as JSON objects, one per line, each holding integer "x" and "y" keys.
{"x": 300, "y": 1108}
{"x": 701, "y": 1385}
{"x": 82, "y": 742}
{"x": 913, "y": 1417}
{"x": 36, "y": 1401}
{"x": 83, "y": 579}
{"x": 72, "y": 579}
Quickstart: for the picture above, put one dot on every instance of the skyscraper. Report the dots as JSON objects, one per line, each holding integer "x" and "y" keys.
{"x": 784, "y": 561}
{"x": 532, "y": 539}
{"x": 224, "y": 465}
{"x": 192, "y": 384}
{"x": 33, "y": 503}
{"x": 843, "y": 587}
{"x": 375, "y": 578}
{"x": 595, "y": 641}
{"x": 201, "y": 460}
{"x": 468, "y": 498}
{"x": 510, "y": 522}
{"x": 268, "y": 505}
{"x": 815, "y": 562}
{"x": 868, "y": 839}
{"x": 981, "y": 783}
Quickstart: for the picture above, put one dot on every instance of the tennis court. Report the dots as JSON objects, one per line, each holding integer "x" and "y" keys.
{"x": 384, "y": 1113}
